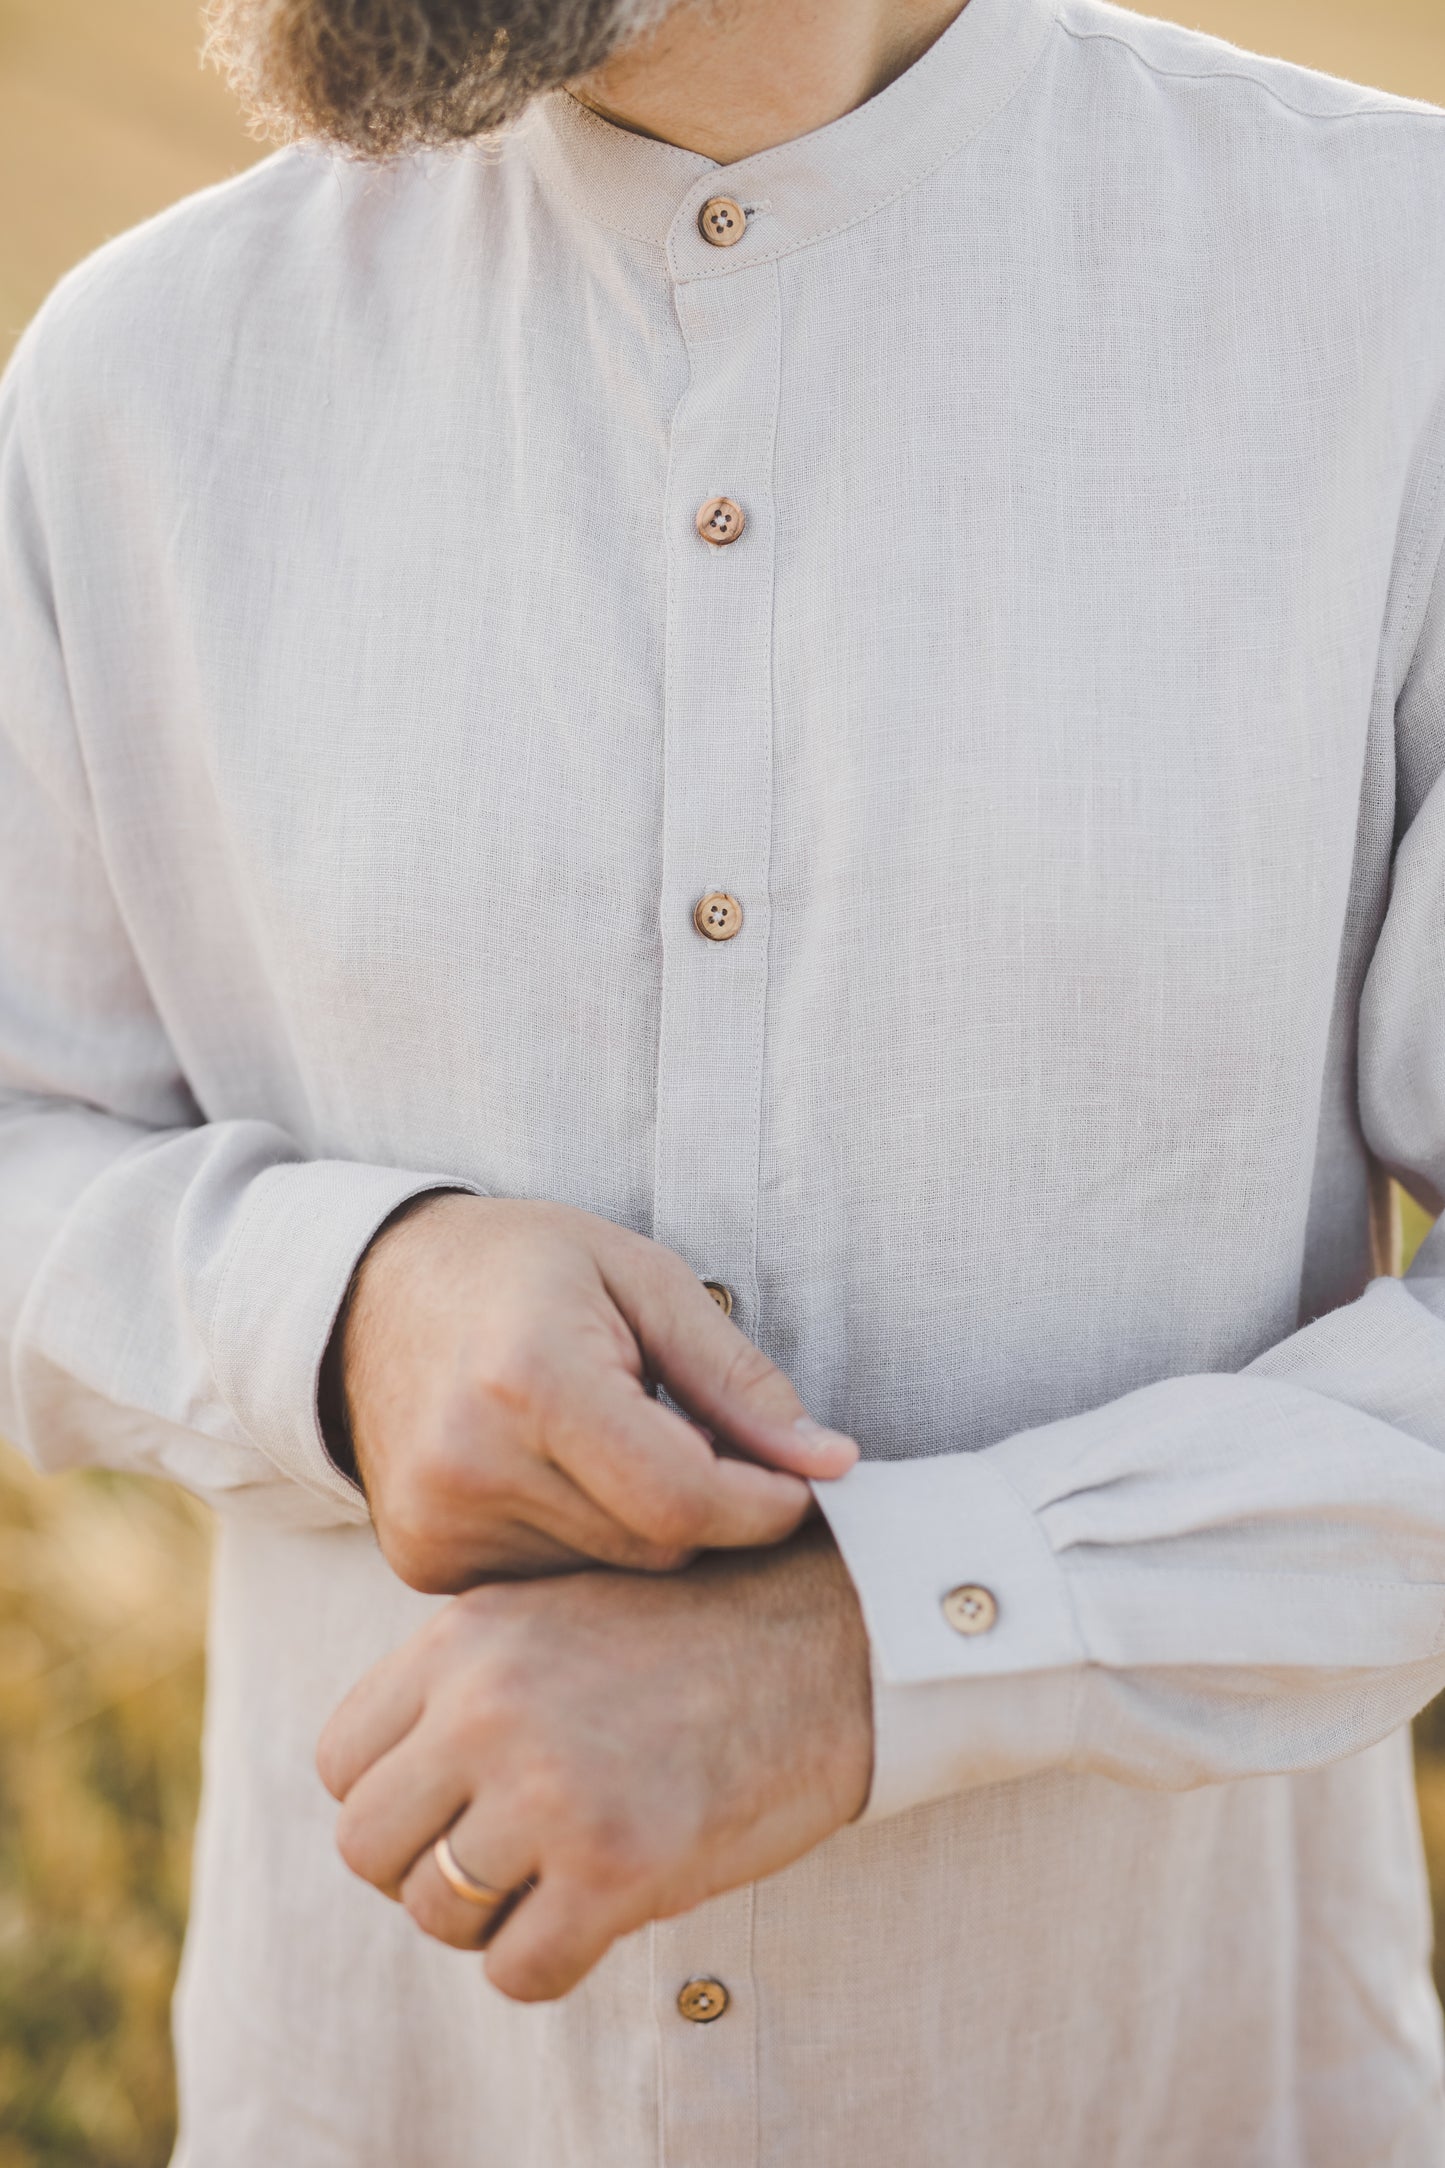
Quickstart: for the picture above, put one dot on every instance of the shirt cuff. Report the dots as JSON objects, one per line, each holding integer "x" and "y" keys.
{"x": 955, "y": 1735}
{"x": 302, "y": 1232}
{"x": 973, "y": 1690}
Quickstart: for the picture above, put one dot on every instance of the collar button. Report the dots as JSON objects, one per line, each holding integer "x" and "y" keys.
{"x": 722, "y": 222}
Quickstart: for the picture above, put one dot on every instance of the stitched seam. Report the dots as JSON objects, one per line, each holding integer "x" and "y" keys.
{"x": 1243, "y": 75}
{"x": 916, "y": 180}
{"x": 669, "y": 708}
{"x": 780, "y": 151}
{"x": 1036, "y": 1522}
{"x": 553, "y": 166}
{"x": 1322, "y": 1581}
{"x": 753, "y": 2000}
{"x": 1425, "y": 516}
{"x": 760, "y": 1063}
{"x": 1071, "y": 1752}
{"x": 596, "y": 125}
{"x": 661, "y": 2065}
{"x": 629, "y": 233}
{"x": 556, "y": 170}
{"x": 1428, "y": 527}
{"x": 590, "y": 210}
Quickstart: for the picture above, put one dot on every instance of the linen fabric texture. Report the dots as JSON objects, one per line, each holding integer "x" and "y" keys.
{"x": 1069, "y": 721}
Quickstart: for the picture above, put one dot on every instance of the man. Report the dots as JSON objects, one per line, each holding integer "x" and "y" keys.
{"x": 753, "y": 766}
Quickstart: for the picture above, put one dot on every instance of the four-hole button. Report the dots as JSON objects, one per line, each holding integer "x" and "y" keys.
{"x": 720, "y": 521}
{"x": 722, "y": 222}
{"x": 718, "y": 916}
{"x": 971, "y": 1609}
{"x": 701, "y": 2001}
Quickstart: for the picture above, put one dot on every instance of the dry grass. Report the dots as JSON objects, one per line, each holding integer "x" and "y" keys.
{"x": 102, "y": 1601}
{"x": 104, "y": 118}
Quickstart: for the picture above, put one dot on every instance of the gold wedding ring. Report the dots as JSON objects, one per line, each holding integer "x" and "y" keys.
{"x": 466, "y": 1886}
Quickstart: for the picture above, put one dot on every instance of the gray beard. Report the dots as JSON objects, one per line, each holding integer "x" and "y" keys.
{"x": 378, "y": 77}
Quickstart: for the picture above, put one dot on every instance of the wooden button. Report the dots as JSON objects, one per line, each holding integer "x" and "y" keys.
{"x": 701, "y": 2001}
{"x": 718, "y": 916}
{"x": 720, "y": 521}
{"x": 970, "y": 1610}
{"x": 722, "y": 1296}
{"x": 722, "y": 222}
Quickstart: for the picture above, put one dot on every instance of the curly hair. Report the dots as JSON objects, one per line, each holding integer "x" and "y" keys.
{"x": 378, "y": 77}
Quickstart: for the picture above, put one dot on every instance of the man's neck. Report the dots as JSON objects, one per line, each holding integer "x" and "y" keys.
{"x": 729, "y": 78}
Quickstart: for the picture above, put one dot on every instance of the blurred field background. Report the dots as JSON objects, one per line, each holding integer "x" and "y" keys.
{"x": 104, "y": 118}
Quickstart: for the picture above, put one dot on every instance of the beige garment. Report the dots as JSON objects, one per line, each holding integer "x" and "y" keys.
{"x": 1068, "y": 721}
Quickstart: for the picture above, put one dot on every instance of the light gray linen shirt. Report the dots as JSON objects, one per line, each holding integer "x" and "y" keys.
{"x": 1069, "y": 721}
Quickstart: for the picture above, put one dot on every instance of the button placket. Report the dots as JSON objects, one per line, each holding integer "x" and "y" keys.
{"x": 716, "y": 832}
{"x": 706, "y": 2025}
{"x": 718, "y": 778}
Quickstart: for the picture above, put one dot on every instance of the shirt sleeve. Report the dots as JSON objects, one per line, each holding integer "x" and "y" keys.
{"x": 1220, "y": 1576}
{"x": 167, "y": 1284}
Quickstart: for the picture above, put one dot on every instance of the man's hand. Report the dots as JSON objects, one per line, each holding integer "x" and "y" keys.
{"x": 630, "y": 1745}
{"x": 496, "y": 1359}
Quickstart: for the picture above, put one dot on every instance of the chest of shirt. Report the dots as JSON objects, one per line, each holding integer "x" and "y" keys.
{"x": 1026, "y": 716}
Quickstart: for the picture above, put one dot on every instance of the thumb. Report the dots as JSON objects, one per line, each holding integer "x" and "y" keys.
{"x": 716, "y": 1374}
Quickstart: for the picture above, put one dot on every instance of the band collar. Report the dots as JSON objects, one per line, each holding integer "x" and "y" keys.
{"x": 802, "y": 191}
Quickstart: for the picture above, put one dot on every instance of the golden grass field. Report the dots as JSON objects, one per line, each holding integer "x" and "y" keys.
{"x": 104, "y": 118}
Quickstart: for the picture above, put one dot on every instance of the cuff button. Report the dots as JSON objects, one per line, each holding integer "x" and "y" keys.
{"x": 970, "y": 1609}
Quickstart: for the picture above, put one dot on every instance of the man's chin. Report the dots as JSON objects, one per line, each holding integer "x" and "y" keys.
{"x": 377, "y": 78}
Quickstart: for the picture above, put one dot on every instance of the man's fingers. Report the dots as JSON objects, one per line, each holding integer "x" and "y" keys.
{"x": 650, "y": 1470}
{"x": 555, "y": 1503}
{"x": 551, "y": 1940}
{"x": 721, "y": 1378}
{"x": 395, "y": 1808}
{"x": 486, "y": 1854}
{"x": 378, "y": 1712}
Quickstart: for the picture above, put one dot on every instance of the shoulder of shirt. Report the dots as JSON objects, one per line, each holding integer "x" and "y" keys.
{"x": 167, "y": 293}
{"x": 1276, "y": 145}
{"x": 1190, "y": 58}
{"x": 150, "y": 260}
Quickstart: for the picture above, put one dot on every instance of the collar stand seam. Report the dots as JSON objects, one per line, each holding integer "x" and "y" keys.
{"x": 726, "y": 268}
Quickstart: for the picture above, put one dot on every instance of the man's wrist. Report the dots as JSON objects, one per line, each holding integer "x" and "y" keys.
{"x": 822, "y": 1598}
{"x": 333, "y": 1404}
